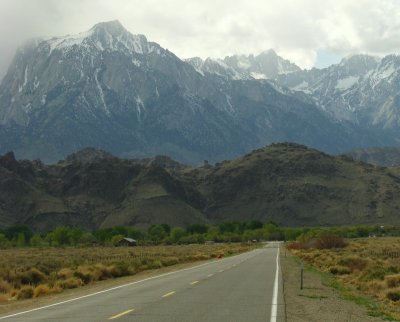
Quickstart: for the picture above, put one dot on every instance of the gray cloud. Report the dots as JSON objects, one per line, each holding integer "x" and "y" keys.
{"x": 296, "y": 29}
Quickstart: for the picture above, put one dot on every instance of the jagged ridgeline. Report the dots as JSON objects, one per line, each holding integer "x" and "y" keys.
{"x": 287, "y": 183}
{"x": 113, "y": 90}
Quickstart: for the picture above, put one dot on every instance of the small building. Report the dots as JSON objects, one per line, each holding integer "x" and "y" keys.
{"x": 127, "y": 242}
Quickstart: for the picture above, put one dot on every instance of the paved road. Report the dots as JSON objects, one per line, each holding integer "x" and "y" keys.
{"x": 238, "y": 288}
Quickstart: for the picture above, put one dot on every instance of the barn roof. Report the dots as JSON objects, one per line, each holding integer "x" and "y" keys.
{"x": 129, "y": 240}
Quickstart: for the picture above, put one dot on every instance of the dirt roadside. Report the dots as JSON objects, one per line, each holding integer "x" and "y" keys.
{"x": 316, "y": 302}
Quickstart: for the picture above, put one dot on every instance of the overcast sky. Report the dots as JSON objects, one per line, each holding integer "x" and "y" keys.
{"x": 307, "y": 32}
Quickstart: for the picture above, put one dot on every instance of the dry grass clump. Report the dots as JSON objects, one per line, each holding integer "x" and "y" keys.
{"x": 169, "y": 261}
{"x": 353, "y": 263}
{"x": 41, "y": 290}
{"x": 27, "y": 273}
{"x": 392, "y": 280}
{"x": 70, "y": 282}
{"x": 5, "y": 287}
{"x": 393, "y": 295}
{"x": 32, "y": 276}
{"x": 25, "y": 292}
{"x": 3, "y": 299}
{"x": 65, "y": 273}
{"x": 339, "y": 270}
{"x": 373, "y": 286}
{"x": 370, "y": 265}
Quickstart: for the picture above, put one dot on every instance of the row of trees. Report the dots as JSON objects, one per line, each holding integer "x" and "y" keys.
{"x": 19, "y": 236}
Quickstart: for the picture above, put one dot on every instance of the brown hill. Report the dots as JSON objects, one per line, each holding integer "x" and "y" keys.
{"x": 288, "y": 183}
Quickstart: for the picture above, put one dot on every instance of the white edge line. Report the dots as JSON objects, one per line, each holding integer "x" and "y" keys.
{"x": 115, "y": 288}
{"x": 274, "y": 305}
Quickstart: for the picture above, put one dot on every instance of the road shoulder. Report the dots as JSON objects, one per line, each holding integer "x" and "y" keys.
{"x": 317, "y": 301}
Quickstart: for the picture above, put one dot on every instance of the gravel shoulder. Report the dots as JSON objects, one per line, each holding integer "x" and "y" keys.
{"x": 317, "y": 301}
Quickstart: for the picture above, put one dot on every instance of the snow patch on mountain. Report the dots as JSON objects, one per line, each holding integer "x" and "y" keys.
{"x": 384, "y": 73}
{"x": 20, "y": 88}
{"x": 136, "y": 62}
{"x": 139, "y": 107}
{"x": 302, "y": 87}
{"x": 256, "y": 75}
{"x": 96, "y": 73}
{"x": 346, "y": 83}
{"x": 68, "y": 41}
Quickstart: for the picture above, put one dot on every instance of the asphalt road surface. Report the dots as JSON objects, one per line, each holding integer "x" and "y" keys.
{"x": 246, "y": 287}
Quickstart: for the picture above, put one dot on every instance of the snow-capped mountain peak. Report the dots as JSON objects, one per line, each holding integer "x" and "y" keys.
{"x": 361, "y": 89}
{"x": 110, "y": 36}
{"x": 113, "y": 27}
{"x": 266, "y": 65}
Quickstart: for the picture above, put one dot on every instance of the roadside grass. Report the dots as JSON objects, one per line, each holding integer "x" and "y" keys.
{"x": 35, "y": 272}
{"x": 366, "y": 271}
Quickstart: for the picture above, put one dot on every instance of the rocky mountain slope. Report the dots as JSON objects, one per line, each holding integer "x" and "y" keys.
{"x": 110, "y": 89}
{"x": 361, "y": 90}
{"x": 288, "y": 183}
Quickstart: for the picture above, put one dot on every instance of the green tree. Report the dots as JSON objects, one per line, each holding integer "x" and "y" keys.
{"x": 177, "y": 233}
{"x": 13, "y": 232}
{"x": 213, "y": 234}
{"x": 115, "y": 239}
{"x": 60, "y": 236}
{"x": 254, "y": 224}
{"x": 134, "y": 233}
{"x": 157, "y": 233}
{"x": 87, "y": 239}
{"x": 4, "y": 242}
{"x": 36, "y": 240}
{"x": 292, "y": 233}
{"x": 197, "y": 229}
{"x": 20, "y": 240}
{"x": 231, "y": 227}
{"x": 75, "y": 236}
{"x": 166, "y": 228}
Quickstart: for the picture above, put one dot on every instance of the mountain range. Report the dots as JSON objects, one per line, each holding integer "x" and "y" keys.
{"x": 288, "y": 183}
{"x": 384, "y": 156}
{"x": 113, "y": 90}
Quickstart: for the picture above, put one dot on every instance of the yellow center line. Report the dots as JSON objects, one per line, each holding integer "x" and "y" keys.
{"x": 121, "y": 314}
{"x": 169, "y": 294}
{"x": 209, "y": 275}
{"x": 194, "y": 282}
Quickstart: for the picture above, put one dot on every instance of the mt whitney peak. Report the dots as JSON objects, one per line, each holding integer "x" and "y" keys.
{"x": 104, "y": 36}
{"x": 109, "y": 89}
